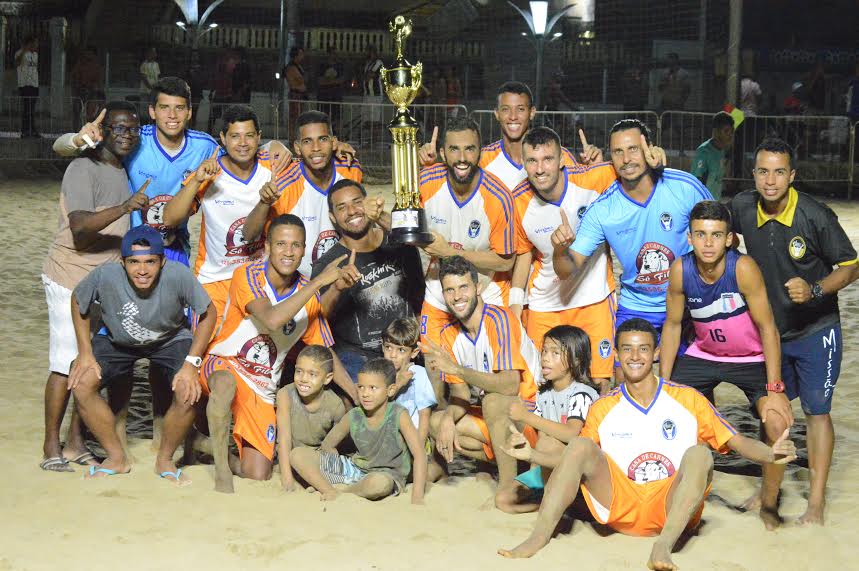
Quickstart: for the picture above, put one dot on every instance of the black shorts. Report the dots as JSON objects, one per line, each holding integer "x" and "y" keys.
{"x": 705, "y": 375}
{"x": 117, "y": 361}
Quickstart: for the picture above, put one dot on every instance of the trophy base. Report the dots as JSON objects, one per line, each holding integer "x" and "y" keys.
{"x": 410, "y": 237}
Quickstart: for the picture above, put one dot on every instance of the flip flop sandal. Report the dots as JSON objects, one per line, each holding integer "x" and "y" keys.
{"x": 55, "y": 464}
{"x": 83, "y": 459}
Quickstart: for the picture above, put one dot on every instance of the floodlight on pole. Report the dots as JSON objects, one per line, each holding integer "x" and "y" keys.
{"x": 540, "y": 25}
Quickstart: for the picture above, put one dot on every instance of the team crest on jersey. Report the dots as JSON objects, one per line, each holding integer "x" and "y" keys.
{"x": 258, "y": 355}
{"x": 605, "y": 348}
{"x": 326, "y": 241}
{"x": 474, "y": 229}
{"x": 669, "y": 429}
{"x": 236, "y": 244}
{"x": 581, "y": 212}
{"x": 650, "y": 467}
{"x": 653, "y": 263}
{"x": 269, "y": 433}
{"x": 666, "y": 220}
{"x": 729, "y": 303}
{"x": 796, "y": 248}
{"x": 289, "y": 327}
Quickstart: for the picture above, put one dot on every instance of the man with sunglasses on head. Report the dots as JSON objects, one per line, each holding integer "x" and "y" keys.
{"x": 95, "y": 208}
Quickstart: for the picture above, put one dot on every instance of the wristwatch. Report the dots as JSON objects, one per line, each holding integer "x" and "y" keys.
{"x": 816, "y": 291}
{"x": 196, "y": 361}
{"x": 776, "y": 387}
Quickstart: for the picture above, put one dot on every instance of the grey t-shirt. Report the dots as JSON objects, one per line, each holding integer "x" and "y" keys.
{"x": 572, "y": 402}
{"x": 134, "y": 321}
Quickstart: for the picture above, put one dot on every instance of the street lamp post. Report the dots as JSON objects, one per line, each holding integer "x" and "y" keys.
{"x": 540, "y": 27}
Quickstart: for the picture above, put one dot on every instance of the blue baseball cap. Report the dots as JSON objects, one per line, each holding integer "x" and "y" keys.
{"x": 144, "y": 232}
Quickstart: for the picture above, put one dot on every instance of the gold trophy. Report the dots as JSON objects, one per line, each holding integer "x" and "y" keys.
{"x": 402, "y": 83}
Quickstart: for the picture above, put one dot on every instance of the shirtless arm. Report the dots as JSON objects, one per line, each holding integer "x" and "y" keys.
{"x": 336, "y": 435}
{"x": 521, "y": 271}
{"x": 675, "y": 303}
{"x": 284, "y": 440}
{"x": 419, "y": 457}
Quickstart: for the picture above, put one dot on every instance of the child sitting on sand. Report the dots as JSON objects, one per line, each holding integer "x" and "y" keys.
{"x": 378, "y": 429}
{"x": 413, "y": 388}
{"x": 562, "y": 406}
{"x": 306, "y": 408}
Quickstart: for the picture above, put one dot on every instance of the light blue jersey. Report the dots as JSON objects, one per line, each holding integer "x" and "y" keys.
{"x": 646, "y": 237}
{"x": 152, "y": 161}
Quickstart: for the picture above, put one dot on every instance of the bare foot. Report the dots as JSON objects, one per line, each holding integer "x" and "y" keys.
{"x": 107, "y": 468}
{"x": 813, "y": 515}
{"x": 525, "y": 549}
{"x": 168, "y": 471}
{"x": 157, "y": 430}
{"x": 771, "y": 518}
{"x": 224, "y": 483}
{"x": 660, "y": 558}
{"x": 329, "y": 496}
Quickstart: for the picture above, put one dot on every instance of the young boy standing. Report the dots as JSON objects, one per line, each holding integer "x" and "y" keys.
{"x": 414, "y": 391}
{"x": 306, "y": 408}
{"x": 381, "y": 431}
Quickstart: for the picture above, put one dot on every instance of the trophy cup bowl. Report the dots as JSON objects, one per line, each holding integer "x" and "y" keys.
{"x": 402, "y": 83}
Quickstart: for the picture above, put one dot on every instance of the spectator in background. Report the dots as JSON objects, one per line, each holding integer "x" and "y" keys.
{"x": 635, "y": 88}
{"x": 223, "y": 92}
{"x": 27, "y": 62}
{"x": 675, "y": 85}
{"x": 793, "y": 104}
{"x": 331, "y": 78}
{"x": 296, "y": 82}
{"x": 454, "y": 87}
{"x": 150, "y": 71}
{"x": 750, "y": 92}
{"x": 439, "y": 87}
{"x": 241, "y": 86}
{"x": 708, "y": 166}
{"x": 87, "y": 80}
{"x": 372, "y": 82}
{"x": 817, "y": 89}
{"x": 853, "y": 95}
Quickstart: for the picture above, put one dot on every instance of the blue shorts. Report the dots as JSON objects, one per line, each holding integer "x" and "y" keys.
{"x": 352, "y": 361}
{"x": 177, "y": 255}
{"x": 810, "y": 367}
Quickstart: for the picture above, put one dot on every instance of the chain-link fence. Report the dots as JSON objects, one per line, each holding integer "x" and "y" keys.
{"x": 29, "y": 125}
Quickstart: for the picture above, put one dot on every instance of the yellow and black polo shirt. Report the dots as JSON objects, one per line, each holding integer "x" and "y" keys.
{"x": 804, "y": 241}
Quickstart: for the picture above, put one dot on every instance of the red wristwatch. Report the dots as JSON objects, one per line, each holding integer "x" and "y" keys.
{"x": 776, "y": 387}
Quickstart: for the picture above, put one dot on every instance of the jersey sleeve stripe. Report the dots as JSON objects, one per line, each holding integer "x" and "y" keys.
{"x": 507, "y": 206}
{"x": 250, "y": 274}
{"x": 502, "y": 326}
{"x": 682, "y": 176}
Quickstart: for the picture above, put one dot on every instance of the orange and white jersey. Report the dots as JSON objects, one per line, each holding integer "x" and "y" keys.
{"x": 647, "y": 444}
{"x": 258, "y": 352}
{"x": 225, "y": 203}
{"x": 301, "y": 197}
{"x": 536, "y": 219}
{"x": 482, "y": 222}
{"x": 501, "y": 345}
{"x": 495, "y": 159}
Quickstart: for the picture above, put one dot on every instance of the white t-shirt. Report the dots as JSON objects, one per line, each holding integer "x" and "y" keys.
{"x": 572, "y": 402}
{"x": 151, "y": 71}
{"x": 418, "y": 394}
{"x": 28, "y": 69}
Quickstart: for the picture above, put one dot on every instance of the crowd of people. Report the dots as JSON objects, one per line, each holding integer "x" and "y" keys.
{"x": 502, "y": 340}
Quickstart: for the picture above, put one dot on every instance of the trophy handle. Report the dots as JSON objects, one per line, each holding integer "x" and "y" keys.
{"x": 417, "y": 76}
{"x": 384, "y": 73}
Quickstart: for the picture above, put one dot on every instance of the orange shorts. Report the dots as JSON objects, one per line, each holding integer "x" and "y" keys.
{"x": 254, "y": 418}
{"x": 476, "y": 414}
{"x": 636, "y": 509}
{"x": 597, "y": 320}
{"x": 433, "y": 321}
{"x": 219, "y": 293}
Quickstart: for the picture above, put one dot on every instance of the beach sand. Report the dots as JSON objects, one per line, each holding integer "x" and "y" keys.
{"x": 59, "y": 521}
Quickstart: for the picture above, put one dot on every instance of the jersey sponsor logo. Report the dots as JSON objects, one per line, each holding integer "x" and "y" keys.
{"x": 581, "y": 212}
{"x": 145, "y": 174}
{"x": 666, "y": 220}
{"x": 437, "y": 219}
{"x": 728, "y": 302}
{"x": 325, "y": 241}
{"x": 544, "y": 230}
{"x": 669, "y": 429}
{"x": 224, "y": 202}
{"x": 605, "y": 348}
{"x": 650, "y": 467}
{"x": 269, "y": 433}
{"x": 289, "y": 327}
{"x": 796, "y": 247}
{"x": 258, "y": 356}
{"x": 474, "y": 229}
{"x": 694, "y": 300}
{"x": 653, "y": 263}
{"x": 236, "y": 244}
{"x": 153, "y": 215}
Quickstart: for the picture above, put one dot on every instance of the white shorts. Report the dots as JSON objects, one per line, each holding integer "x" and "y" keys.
{"x": 62, "y": 346}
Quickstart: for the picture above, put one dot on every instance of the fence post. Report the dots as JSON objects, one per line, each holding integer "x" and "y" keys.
{"x": 851, "y": 158}
{"x": 58, "y": 67}
{"x": 3, "y": 28}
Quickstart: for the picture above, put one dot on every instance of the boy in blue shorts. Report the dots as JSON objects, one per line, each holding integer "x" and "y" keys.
{"x": 414, "y": 391}
{"x": 384, "y": 437}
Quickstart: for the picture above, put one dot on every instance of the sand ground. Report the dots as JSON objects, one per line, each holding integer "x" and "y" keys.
{"x": 59, "y": 521}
